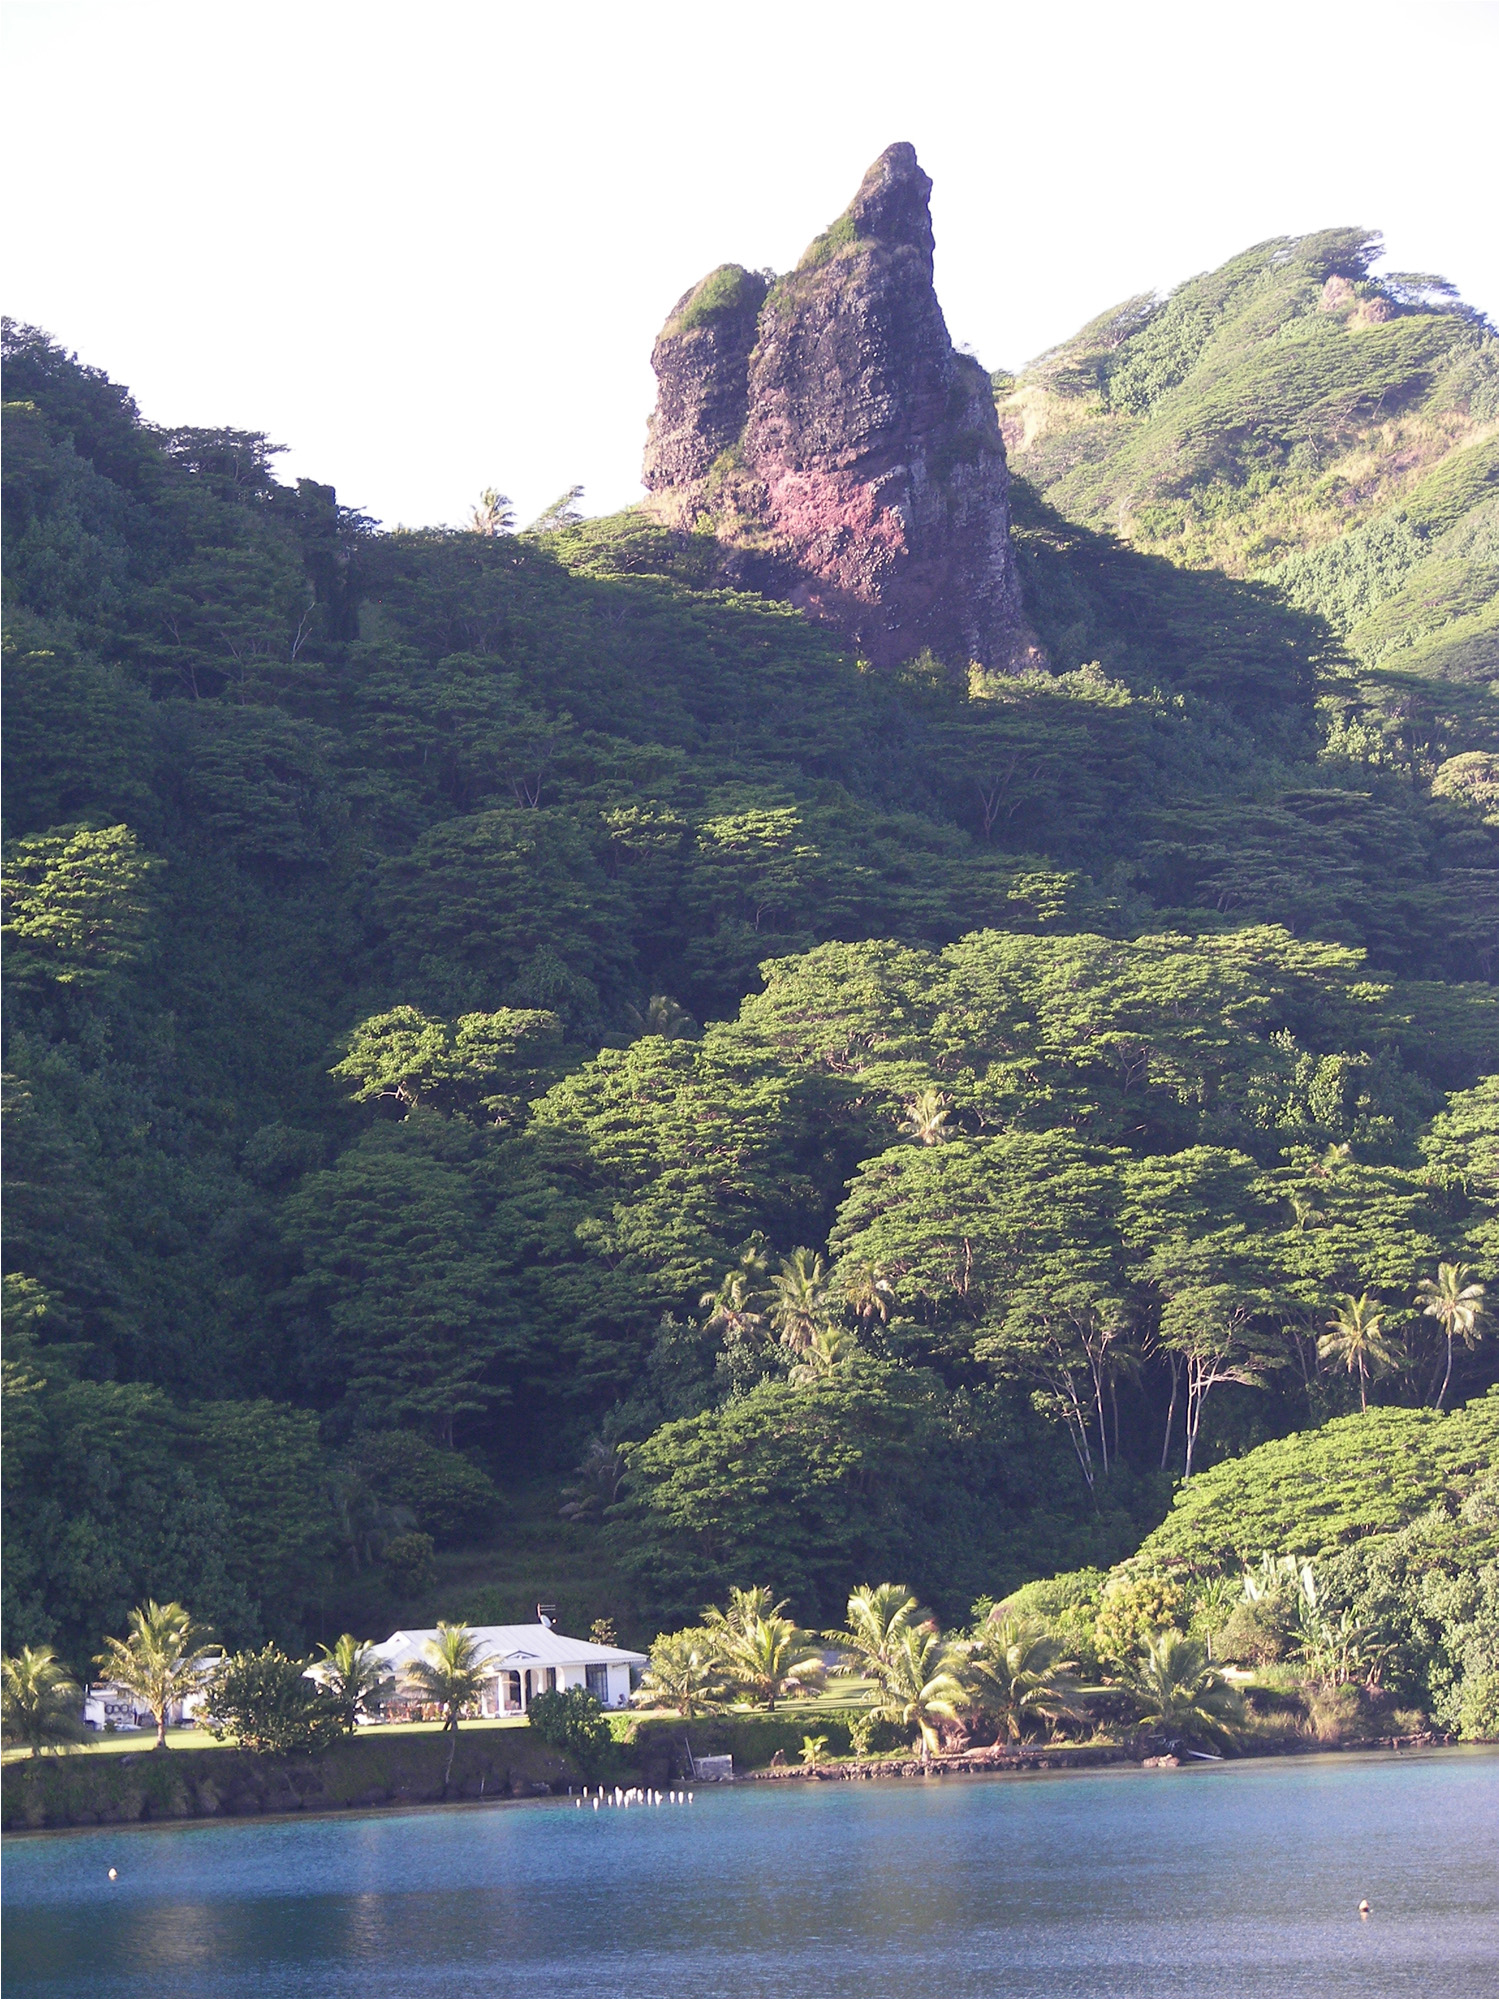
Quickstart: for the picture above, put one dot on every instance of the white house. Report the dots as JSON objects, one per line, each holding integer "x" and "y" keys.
{"x": 526, "y": 1660}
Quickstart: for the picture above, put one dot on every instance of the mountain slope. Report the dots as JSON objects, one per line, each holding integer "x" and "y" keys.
{"x": 365, "y": 895}
{"x": 1291, "y": 418}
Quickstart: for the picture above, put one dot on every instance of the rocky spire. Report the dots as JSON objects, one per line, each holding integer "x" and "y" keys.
{"x": 843, "y": 453}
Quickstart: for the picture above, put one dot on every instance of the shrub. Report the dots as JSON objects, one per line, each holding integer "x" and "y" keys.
{"x": 1132, "y": 1609}
{"x": 571, "y": 1720}
{"x": 1068, "y": 1606}
{"x": 873, "y": 1736}
{"x": 266, "y": 1700}
{"x": 1254, "y": 1634}
{"x": 408, "y": 1563}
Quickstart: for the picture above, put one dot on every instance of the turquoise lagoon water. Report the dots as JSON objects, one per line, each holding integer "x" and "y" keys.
{"x": 1220, "y": 1879}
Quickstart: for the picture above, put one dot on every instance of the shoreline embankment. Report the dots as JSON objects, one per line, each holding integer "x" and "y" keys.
{"x": 372, "y": 1770}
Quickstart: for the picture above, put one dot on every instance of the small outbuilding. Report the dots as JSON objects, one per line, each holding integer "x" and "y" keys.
{"x": 521, "y": 1661}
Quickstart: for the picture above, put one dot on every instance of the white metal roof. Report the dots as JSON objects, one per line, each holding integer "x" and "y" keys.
{"x": 515, "y": 1646}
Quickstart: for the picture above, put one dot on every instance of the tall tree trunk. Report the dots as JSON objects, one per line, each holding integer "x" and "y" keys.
{"x": 1447, "y": 1371}
{"x": 1096, "y": 1369}
{"x": 161, "y": 1729}
{"x": 1166, "y": 1443}
{"x": 1194, "y": 1416}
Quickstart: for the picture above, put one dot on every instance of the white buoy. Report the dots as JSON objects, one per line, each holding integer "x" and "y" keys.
{"x": 112, "y": 1875}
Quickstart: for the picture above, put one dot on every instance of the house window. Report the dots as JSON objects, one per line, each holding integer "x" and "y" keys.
{"x": 511, "y": 1685}
{"x": 551, "y": 1673}
{"x": 598, "y": 1682}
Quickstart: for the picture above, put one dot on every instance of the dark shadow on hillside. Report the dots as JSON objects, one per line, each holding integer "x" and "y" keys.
{"x": 1151, "y": 624}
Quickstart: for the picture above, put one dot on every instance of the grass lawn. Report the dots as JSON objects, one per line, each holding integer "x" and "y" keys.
{"x": 119, "y": 1741}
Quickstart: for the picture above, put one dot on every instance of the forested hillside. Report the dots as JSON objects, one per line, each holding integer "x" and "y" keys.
{"x": 495, "y": 1026}
{"x": 1294, "y": 419}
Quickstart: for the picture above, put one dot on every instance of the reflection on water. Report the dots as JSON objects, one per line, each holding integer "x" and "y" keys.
{"x": 1222, "y": 1880}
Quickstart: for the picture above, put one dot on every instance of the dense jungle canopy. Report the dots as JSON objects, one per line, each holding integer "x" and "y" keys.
{"x": 496, "y": 1024}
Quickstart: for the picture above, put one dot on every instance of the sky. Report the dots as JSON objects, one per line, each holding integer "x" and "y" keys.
{"x": 426, "y": 246}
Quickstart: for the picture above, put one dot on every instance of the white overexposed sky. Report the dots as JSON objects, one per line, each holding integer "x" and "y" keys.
{"x": 427, "y": 244}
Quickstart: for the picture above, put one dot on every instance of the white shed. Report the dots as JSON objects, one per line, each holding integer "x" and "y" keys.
{"x": 526, "y": 1660}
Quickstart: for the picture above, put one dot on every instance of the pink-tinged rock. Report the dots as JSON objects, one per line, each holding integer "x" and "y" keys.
{"x": 824, "y": 429}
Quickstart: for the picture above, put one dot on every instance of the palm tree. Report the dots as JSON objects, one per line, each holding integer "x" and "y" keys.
{"x": 927, "y": 1116}
{"x": 601, "y": 1474}
{"x": 355, "y": 1675}
{"x": 451, "y": 1673}
{"x": 163, "y": 1660}
{"x": 1456, "y": 1305}
{"x": 663, "y": 1016}
{"x": 684, "y": 1674}
{"x": 767, "y": 1658}
{"x": 868, "y": 1293}
{"x": 830, "y": 1345}
{"x": 494, "y": 514}
{"x": 1356, "y": 1336}
{"x": 876, "y": 1615}
{"x": 799, "y": 1300}
{"x": 745, "y": 1606}
{"x": 1180, "y": 1695}
{"x": 918, "y": 1685}
{"x": 39, "y": 1701}
{"x": 1015, "y": 1671}
{"x": 733, "y": 1308}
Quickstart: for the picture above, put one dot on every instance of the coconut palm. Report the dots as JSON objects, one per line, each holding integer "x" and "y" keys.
{"x": 830, "y": 1345}
{"x": 664, "y": 1016}
{"x": 39, "y": 1701}
{"x": 918, "y": 1683}
{"x": 162, "y": 1661}
{"x": 868, "y": 1293}
{"x": 451, "y": 1672}
{"x": 733, "y": 1308}
{"x": 1457, "y": 1305}
{"x": 741, "y": 1611}
{"x": 768, "y": 1658}
{"x": 601, "y": 1473}
{"x": 1178, "y": 1694}
{"x": 799, "y": 1300}
{"x": 684, "y": 1673}
{"x": 1356, "y": 1336}
{"x": 493, "y": 515}
{"x": 877, "y": 1613}
{"x": 355, "y": 1675}
{"x": 927, "y": 1116}
{"x": 1015, "y": 1671}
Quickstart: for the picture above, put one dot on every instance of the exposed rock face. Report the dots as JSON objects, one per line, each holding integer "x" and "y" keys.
{"x": 847, "y": 458}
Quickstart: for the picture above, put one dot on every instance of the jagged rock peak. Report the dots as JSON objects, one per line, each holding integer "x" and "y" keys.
{"x": 891, "y": 207}
{"x": 825, "y": 431}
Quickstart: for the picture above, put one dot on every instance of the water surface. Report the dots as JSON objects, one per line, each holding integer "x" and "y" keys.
{"x": 1222, "y": 1879}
